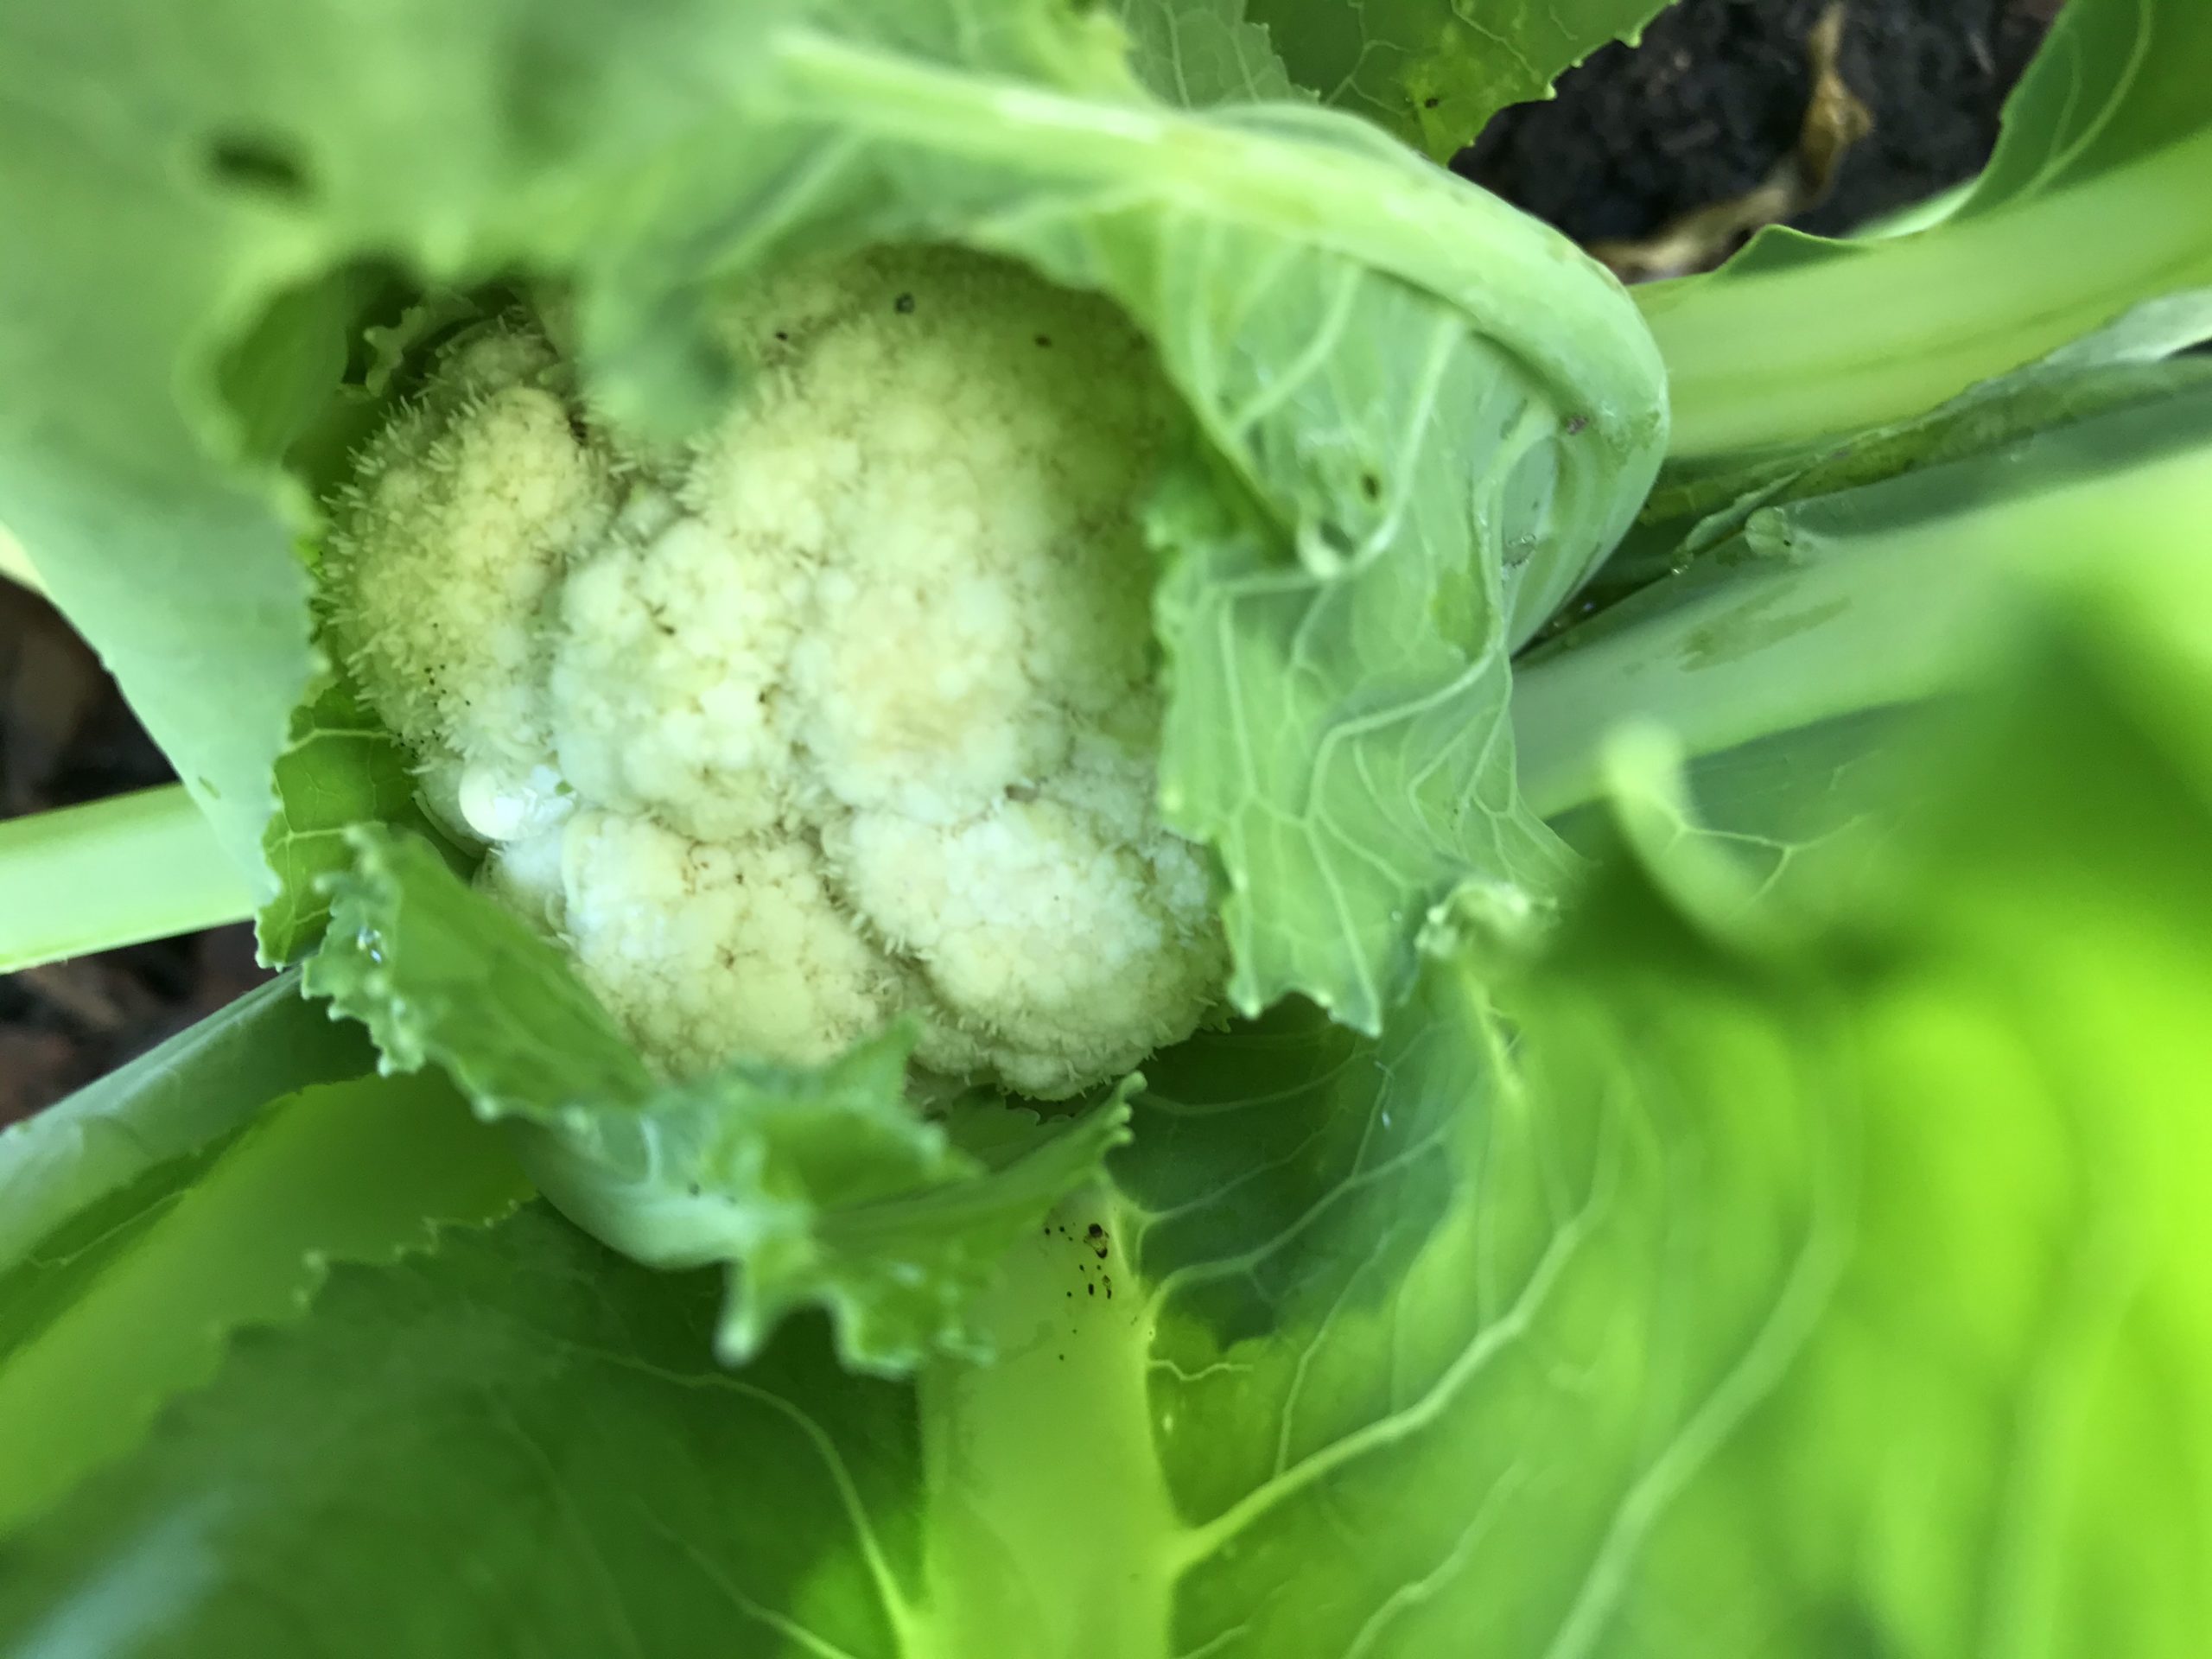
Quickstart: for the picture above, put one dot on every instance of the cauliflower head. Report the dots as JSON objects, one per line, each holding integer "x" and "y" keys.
{"x": 850, "y": 708}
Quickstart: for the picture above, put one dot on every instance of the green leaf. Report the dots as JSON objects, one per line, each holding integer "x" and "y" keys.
{"x": 2104, "y": 94}
{"x": 2087, "y": 208}
{"x": 1813, "y": 1281}
{"x": 1994, "y": 1278}
{"x": 279, "y": 379}
{"x": 1197, "y": 53}
{"x": 554, "y": 1405}
{"x": 195, "y": 1088}
{"x": 130, "y": 1302}
{"x": 824, "y": 1187}
{"x": 815, "y": 1186}
{"x": 439, "y": 973}
{"x": 516, "y": 1444}
{"x": 341, "y": 768}
{"x": 1433, "y": 72}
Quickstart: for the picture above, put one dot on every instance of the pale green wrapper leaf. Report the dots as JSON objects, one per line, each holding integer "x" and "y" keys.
{"x": 813, "y": 1184}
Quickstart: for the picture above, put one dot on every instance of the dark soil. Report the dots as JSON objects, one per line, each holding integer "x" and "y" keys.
{"x": 1701, "y": 112}
{"x": 1711, "y": 99}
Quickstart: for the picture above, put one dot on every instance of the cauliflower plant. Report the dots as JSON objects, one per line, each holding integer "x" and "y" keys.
{"x": 847, "y": 710}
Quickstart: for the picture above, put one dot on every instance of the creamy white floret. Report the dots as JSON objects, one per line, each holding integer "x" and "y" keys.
{"x": 460, "y": 520}
{"x": 852, "y": 713}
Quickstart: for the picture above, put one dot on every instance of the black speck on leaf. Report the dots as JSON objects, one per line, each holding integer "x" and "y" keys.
{"x": 1430, "y": 102}
{"x": 1578, "y": 423}
{"x": 1091, "y": 1290}
{"x": 1370, "y": 487}
{"x": 261, "y": 164}
{"x": 904, "y": 305}
{"x": 1044, "y": 339}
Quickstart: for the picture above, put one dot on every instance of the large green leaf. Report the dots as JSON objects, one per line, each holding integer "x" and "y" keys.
{"x": 813, "y": 1184}
{"x": 191, "y": 1090}
{"x": 557, "y": 1408}
{"x": 130, "y": 1302}
{"x": 517, "y": 1445}
{"x": 1992, "y": 1437}
{"x": 1426, "y": 417}
{"x": 2090, "y": 206}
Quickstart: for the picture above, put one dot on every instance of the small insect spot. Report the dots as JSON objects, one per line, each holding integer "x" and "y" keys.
{"x": 904, "y": 305}
{"x": 783, "y": 334}
{"x": 1099, "y": 1241}
{"x": 1577, "y": 424}
{"x": 1044, "y": 339}
{"x": 1370, "y": 487}
{"x": 1091, "y": 1290}
{"x": 1430, "y": 102}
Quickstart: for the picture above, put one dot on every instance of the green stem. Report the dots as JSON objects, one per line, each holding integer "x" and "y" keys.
{"x": 1881, "y": 597}
{"x": 1793, "y": 350}
{"x": 1052, "y": 1534}
{"x": 116, "y": 872}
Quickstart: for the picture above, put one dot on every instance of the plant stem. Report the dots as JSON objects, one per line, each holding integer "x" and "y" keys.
{"x": 117, "y": 872}
{"x": 1881, "y": 597}
{"x": 1789, "y": 350}
{"x": 1053, "y": 1532}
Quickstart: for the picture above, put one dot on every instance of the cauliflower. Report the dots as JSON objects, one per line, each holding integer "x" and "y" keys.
{"x": 847, "y": 709}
